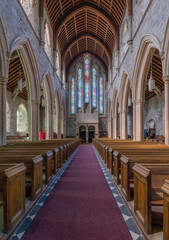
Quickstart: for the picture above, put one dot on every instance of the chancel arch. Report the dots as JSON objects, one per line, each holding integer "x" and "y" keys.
{"x": 148, "y": 46}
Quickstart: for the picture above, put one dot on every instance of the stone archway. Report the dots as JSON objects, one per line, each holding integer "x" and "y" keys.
{"x": 141, "y": 67}
{"x": 165, "y": 63}
{"x": 109, "y": 118}
{"x": 123, "y": 104}
{"x": 3, "y": 81}
{"x": 115, "y": 113}
{"x": 47, "y": 86}
{"x": 58, "y": 112}
{"x": 23, "y": 45}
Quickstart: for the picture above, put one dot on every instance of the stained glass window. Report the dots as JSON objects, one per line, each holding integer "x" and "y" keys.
{"x": 87, "y": 80}
{"x": 79, "y": 104}
{"x": 94, "y": 88}
{"x": 72, "y": 95}
{"x": 101, "y": 96}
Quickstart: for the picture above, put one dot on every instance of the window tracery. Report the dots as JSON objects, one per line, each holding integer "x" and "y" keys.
{"x": 94, "y": 88}
{"x": 79, "y": 105}
{"x": 89, "y": 87}
{"x": 72, "y": 95}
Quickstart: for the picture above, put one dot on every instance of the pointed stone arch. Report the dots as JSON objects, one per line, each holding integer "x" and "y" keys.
{"x": 165, "y": 51}
{"x": 23, "y": 45}
{"x": 141, "y": 68}
{"x": 4, "y": 63}
{"x": 123, "y": 103}
{"x": 165, "y": 63}
{"x": 115, "y": 113}
{"x": 109, "y": 118}
{"x": 58, "y": 104}
{"x": 63, "y": 119}
{"x": 49, "y": 96}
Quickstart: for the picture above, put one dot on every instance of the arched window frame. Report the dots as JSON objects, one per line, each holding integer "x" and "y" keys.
{"x": 97, "y": 86}
{"x": 86, "y": 87}
{"x": 79, "y": 66}
{"x": 99, "y": 97}
{"x": 72, "y": 113}
{"x": 26, "y": 128}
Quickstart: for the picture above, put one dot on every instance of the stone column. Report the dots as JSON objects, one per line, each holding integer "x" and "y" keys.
{"x": 54, "y": 62}
{"x": 87, "y": 134}
{"x": 139, "y": 120}
{"x": 50, "y": 125}
{"x": 3, "y": 96}
{"x": 33, "y": 120}
{"x": 109, "y": 127}
{"x": 130, "y": 39}
{"x": 130, "y": 120}
{"x": 166, "y": 89}
{"x": 123, "y": 124}
{"x": 115, "y": 126}
{"x": 134, "y": 120}
{"x": 59, "y": 127}
{"x": 118, "y": 61}
{"x": 41, "y": 33}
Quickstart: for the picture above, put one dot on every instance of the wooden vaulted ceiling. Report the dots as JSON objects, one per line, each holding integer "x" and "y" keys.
{"x": 157, "y": 75}
{"x": 15, "y": 67}
{"x": 98, "y": 20}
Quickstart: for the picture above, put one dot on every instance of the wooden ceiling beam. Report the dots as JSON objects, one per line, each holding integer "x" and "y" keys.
{"x": 61, "y": 8}
{"x": 102, "y": 45}
{"x": 93, "y": 8}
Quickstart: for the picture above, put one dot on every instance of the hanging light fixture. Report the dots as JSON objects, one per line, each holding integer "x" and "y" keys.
{"x": 20, "y": 82}
{"x": 151, "y": 81}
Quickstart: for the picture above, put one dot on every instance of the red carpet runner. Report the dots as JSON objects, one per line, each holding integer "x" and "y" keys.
{"x": 80, "y": 207}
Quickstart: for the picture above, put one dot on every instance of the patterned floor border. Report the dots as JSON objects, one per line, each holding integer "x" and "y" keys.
{"x": 31, "y": 215}
{"x": 131, "y": 225}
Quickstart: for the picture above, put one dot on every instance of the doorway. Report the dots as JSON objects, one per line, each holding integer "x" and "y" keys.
{"x": 82, "y": 133}
{"x": 91, "y": 133}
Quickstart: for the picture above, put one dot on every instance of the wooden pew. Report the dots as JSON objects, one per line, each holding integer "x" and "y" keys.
{"x": 165, "y": 189}
{"x": 127, "y": 175}
{"x": 148, "y": 180}
{"x": 12, "y": 189}
{"x": 47, "y": 157}
{"x": 34, "y": 170}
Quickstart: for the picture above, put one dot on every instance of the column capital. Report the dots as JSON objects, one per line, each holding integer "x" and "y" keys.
{"x": 138, "y": 101}
{"x": 34, "y": 102}
{"x": 166, "y": 79}
{"x": 3, "y": 80}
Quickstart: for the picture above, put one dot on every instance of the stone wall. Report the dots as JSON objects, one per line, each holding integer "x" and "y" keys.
{"x": 154, "y": 109}
{"x": 21, "y": 26}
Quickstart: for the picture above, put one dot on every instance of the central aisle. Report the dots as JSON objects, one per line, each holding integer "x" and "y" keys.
{"x": 81, "y": 205}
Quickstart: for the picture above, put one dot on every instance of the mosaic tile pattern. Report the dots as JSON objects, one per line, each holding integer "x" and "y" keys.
{"x": 131, "y": 225}
{"x": 31, "y": 215}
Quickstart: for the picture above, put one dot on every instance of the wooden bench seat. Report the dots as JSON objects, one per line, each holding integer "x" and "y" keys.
{"x": 34, "y": 167}
{"x": 47, "y": 157}
{"x": 127, "y": 175}
{"x": 148, "y": 180}
{"x": 12, "y": 188}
